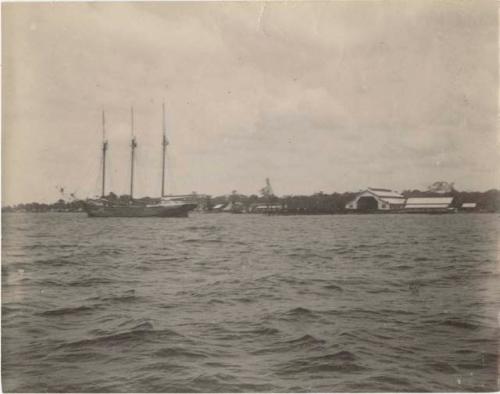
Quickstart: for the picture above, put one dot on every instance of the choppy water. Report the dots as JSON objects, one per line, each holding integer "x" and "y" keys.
{"x": 250, "y": 303}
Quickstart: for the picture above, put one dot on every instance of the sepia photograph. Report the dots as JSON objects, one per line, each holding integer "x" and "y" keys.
{"x": 250, "y": 196}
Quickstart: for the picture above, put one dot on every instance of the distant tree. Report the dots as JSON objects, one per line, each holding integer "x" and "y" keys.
{"x": 490, "y": 201}
{"x": 208, "y": 203}
{"x": 267, "y": 191}
{"x": 441, "y": 187}
{"x": 112, "y": 196}
{"x": 124, "y": 198}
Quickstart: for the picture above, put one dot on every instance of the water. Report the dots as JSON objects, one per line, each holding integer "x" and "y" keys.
{"x": 250, "y": 303}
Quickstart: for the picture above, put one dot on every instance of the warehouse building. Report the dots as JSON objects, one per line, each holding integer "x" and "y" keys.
{"x": 469, "y": 206}
{"x": 429, "y": 205}
{"x": 375, "y": 199}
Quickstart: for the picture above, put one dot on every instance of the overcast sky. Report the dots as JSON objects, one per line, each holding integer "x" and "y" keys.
{"x": 332, "y": 96}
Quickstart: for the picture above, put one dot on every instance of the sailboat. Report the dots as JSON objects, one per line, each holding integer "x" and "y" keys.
{"x": 165, "y": 206}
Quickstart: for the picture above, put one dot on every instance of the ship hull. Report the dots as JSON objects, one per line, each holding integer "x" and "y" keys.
{"x": 143, "y": 211}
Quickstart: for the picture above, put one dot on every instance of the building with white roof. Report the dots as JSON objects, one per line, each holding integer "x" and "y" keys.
{"x": 469, "y": 206}
{"x": 375, "y": 199}
{"x": 428, "y": 205}
{"x": 218, "y": 207}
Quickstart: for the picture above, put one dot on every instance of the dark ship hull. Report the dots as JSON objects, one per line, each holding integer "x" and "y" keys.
{"x": 135, "y": 211}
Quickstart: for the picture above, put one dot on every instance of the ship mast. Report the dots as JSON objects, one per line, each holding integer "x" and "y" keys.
{"x": 133, "y": 145}
{"x": 164, "y": 144}
{"x": 104, "y": 149}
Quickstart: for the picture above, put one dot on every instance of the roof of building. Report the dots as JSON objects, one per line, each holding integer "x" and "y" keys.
{"x": 394, "y": 200}
{"x": 271, "y": 206}
{"x": 429, "y": 201}
{"x": 469, "y": 205}
{"x": 384, "y": 193}
{"x": 426, "y": 206}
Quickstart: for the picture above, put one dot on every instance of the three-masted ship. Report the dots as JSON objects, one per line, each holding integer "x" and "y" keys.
{"x": 165, "y": 206}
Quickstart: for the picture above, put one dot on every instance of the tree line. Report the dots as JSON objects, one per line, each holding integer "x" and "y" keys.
{"x": 317, "y": 203}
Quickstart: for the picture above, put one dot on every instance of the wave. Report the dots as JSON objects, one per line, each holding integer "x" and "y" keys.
{"x": 343, "y": 251}
{"x": 224, "y": 383}
{"x": 127, "y": 297}
{"x": 300, "y": 312}
{"x": 356, "y": 313}
{"x": 333, "y": 287}
{"x": 343, "y": 355}
{"x": 342, "y": 361}
{"x": 403, "y": 267}
{"x": 383, "y": 256}
{"x": 441, "y": 367}
{"x": 42, "y": 282}
{"x": 214, "y": 301}
{"x": 349, "y": 334}
{"x": 392, "y": 312}
{"x": 7, "y": 310}
{"x": 56, "y": 262}
{"x": 76, "y": 357}
{"x": 465, "y": 351}
{"x": 470, "y": 365}
{"x": 208, "y": 227}
{"x": 265, "y": 331}
{"x": 89, "y": 282}
{"x": 421, "y": 259}
{"x": 392, "y": 380}
{"x": 143, "y": 326}
{"x": 201, "y": 240}
{"x": 179, "y": 352}
{"x": 110, "y": 252}
{"x": 236, "y": 242}
{"x": 305, "y": 341}
{"x": 459, "y": 323}
{"x": 367, "y": 246}
{"x": 163, "y": 366}
{"x": 309, "y": 255}
{"x": 124, "y": 338}
{"x": 35, "y": 246}
{"x": 258, "y": 332}
{"x": 289, "y": 279}
{"x": 380, "y": 290}
{"x": 124, "y": 298}
{"x": 245, "y": 300}
{"x": 69, "y": 311}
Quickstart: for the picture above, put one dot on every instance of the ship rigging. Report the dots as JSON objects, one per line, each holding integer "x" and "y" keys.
{"x": 163, "y": 207}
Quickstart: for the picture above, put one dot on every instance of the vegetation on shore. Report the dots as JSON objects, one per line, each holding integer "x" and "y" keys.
{"x": 317, "y": 203}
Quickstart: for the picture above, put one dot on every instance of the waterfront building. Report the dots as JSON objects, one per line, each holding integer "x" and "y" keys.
{"x": 376, "y": 199}
{"x": 429, "y": 205}
{"x": 218, "y": 207}
{"x": 468, "y": 206}
{"x": 266, "y": 208}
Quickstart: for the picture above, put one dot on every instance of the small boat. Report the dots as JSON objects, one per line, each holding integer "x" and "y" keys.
{"x": 165, "y": 206}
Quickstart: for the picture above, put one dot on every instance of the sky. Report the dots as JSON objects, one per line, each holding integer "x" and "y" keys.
{"x": 317, "y": 96}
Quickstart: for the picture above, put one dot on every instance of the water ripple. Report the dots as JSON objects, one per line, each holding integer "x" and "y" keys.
{"x": 250, "y": 303}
